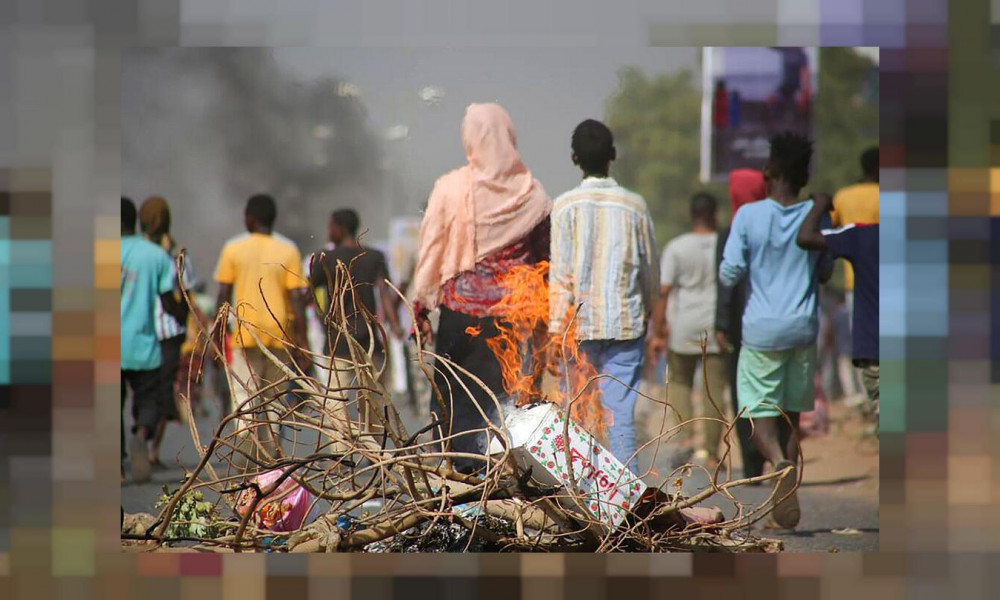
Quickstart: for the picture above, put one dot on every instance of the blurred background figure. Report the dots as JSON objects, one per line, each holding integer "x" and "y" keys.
{"x": 147, "y": 281}
{"x": 260, "y": 277}
{"x": 369, "y": 272}
{"x": 858, "y": 204}
{"x": 154, "y": 218}
{"x": 745, "y": 186}
{"x": 847, "y": 377}
{"x": 685, "y": 315}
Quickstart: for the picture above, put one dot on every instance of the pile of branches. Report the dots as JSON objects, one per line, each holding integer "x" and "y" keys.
{"x": 385, "y": 488}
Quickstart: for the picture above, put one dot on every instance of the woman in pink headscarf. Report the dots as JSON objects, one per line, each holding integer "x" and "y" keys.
{"x": 481, "y": 220}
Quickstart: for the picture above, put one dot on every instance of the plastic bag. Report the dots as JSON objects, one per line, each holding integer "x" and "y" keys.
{"x": 283, "y": 510}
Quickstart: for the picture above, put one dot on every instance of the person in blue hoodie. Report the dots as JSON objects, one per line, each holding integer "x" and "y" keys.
{"x": 778, "y": 358}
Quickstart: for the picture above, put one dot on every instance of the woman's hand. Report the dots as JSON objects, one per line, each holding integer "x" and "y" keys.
{"x": 426, "y": 339}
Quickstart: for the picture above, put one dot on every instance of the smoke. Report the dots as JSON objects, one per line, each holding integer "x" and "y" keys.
{"x": 206, "y": 128}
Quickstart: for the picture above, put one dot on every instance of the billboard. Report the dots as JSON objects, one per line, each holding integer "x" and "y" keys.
{"x": 749, "y": 94}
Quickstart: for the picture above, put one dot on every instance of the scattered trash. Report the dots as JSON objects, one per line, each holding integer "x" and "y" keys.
{"x": 284, "y": 509}
{"x": 448, "y": 536}
{"x": 541, "y": 440}
{"x": 347, "y": 522}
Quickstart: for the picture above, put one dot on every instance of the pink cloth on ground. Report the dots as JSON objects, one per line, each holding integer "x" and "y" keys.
{"x": 278, "y": 511}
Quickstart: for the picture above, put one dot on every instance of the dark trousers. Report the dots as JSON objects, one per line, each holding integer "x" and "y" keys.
{"x": 170, "y": 350}
{"x": 146, "y": 394}
{"x": 472, "y": 354}
{"x": 753, "y": 460}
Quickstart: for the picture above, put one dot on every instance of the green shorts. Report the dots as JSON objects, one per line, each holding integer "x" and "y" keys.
{"x": 771, "y": 381}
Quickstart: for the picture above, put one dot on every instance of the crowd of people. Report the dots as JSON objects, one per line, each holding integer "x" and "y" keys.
{"x": 742, "y": 302}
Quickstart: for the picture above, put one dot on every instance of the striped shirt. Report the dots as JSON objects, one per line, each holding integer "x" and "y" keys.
{"x": 604, "y": 259}
{"x": 166, "y": 324}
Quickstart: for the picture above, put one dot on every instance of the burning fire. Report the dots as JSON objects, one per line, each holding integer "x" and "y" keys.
{"x": 526, "y": 349}
{"x": 473, "y": 331}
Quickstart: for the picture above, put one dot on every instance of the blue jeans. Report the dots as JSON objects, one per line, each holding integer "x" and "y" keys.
{"x": 621, "y": 359}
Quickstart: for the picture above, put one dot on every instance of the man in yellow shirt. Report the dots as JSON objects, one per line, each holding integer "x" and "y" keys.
{"x": 857, "y": 203}
{"x": 262, "y": 275}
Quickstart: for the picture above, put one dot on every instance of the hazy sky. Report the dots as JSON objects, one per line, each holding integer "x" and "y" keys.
{"x": 546, "y": 90}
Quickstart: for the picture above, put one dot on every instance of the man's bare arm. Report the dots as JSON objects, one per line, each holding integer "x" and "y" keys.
{"x": 300, "y": 299}
{"x": 810, "y": 237}
{"x": 174, "y": 307}
{"x": 225, "y": 295}
{"x": 391, "y": 303}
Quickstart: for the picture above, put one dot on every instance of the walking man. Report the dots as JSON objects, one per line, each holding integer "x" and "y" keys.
{"x": 604, "y": 260}
{"x": 781, "y": 322}
{"x": 857, "y": 203}
{"x": 857, "y": 243}
{"x": 369, "y": 273}
{"x": 261, "y": 274}
{"x": 146, "y": 279}
{"x": 683, "y": 317}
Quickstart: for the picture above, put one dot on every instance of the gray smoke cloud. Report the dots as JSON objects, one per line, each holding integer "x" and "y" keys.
{"x": 208, "y": 127}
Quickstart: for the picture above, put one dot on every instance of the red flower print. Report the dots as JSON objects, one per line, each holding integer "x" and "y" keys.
{"x": 559, "y": 442}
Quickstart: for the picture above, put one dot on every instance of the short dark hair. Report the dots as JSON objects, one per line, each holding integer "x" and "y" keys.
{"x": 348, "y": 219}
{"x": 593, "y": 145}
{"x": 262, "y": 208}
{"x": 703, "y": 206}
{"x": 869, "y": 161}
{"x": 128, "y": 214}
{"x": 789, "y": 159}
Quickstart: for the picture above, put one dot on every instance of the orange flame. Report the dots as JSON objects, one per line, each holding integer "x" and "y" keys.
{"x": 473, "y": 331}
{"x": 525, "y": 347}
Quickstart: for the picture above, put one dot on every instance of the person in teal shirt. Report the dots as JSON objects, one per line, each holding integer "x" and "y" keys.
{"x": 147, "y": 277}
{"x": 774, "y": 375}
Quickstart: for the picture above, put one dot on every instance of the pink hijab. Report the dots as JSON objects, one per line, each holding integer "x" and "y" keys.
{"x": 478, "y": 209}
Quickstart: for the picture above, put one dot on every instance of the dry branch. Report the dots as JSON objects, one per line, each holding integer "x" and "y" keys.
{"x": 363, "y": 453}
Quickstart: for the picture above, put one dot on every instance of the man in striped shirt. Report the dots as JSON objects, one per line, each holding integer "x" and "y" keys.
{"x": 604, "y": 262}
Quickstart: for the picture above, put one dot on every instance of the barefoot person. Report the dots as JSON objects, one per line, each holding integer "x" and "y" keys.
{"x": 780, "y": 325}
{"x": 604, "y": 259}
{"x": 481, "y": 220}
{"x": 147, "y": 279}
